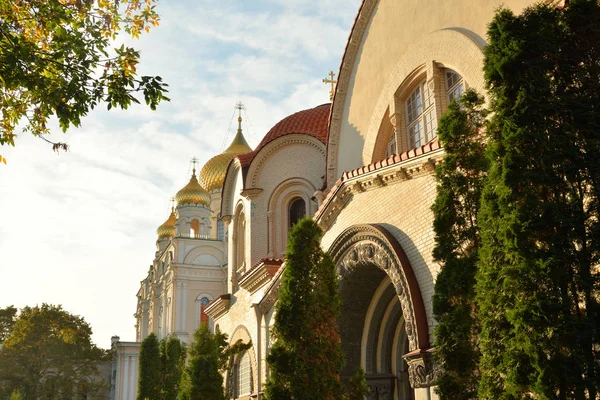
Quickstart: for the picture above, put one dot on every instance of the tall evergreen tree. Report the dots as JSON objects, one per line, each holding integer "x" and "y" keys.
{"x": 538, "y": 278}
{"x": 306, "y": 357}
{"x": 172, "y": 355}
{"x": 202, "y": 379}
{"x": 149, "y": 376}
{"x": 460, "y": 178}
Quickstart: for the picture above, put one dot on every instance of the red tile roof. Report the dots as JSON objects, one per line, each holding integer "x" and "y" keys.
{"x": 313, "y": 122}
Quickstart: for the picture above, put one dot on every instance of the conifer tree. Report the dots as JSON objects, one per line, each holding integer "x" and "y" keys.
{"x": 172, "y": 354}
{"x": 149, "y": 376}
{"x": 460, "y": 178}
{"x": 202, "y": 379}
{"x": 538, "y": 278}
{"x": 306, "y": 358}
{"x": 357, "y": 388}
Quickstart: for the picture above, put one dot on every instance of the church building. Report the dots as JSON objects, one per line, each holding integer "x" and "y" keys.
{"x": 363, "y": 168}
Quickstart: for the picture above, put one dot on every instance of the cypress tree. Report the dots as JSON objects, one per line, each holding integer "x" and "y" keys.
{"x": 306, "y": 357}
{"x": 357, "y": 388}
{"x": 149, "y": 376}
{"x": 460, "y": 178}
{"x": 538, "y": 278}
{"x": 202, "y": 379}
{"x": 173, "y": 361}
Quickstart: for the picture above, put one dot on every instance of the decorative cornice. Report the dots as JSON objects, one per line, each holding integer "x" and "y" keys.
{"x": 422, "y": 369}
{"x": 218, "y": 307}
{"x": 251, "y": 192}
{"x": 260, "y": 274}
{"x": 272, "y": 292}
{"x": 395, "y": 169}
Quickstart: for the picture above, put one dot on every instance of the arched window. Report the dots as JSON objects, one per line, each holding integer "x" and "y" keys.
{"x": 455, "y": 85}
{"x": 421, "y": 121}
{"x": 203, "y": 316}
{"x": 195, "y": 228}
{"x": 243, "y": 375}
{"x": 297, "y": 211}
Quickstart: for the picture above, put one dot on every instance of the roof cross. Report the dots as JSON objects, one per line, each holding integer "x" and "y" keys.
{"x": 333, "y": 82}
{"x": 194, "y": 161}
{"x": 240, "y": 107}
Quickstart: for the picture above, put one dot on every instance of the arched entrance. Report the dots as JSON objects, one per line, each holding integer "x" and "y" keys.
{"x": 383, "y": 324}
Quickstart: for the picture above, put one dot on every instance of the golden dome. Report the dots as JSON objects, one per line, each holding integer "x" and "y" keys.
{"x": 193, "y": 193}
{"x": 167, "y": 229}
{"x": 213, "y": 172}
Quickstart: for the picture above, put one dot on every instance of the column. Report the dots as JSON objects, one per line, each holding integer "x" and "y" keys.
{"x": 133, "y": 383}
{"x": 185, "y": 301}
{"x": 125, "y": 386}
{"x": 178, "y": 315}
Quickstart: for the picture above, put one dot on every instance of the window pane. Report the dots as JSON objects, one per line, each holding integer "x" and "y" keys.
{"x": 455, "y": 85}
{"x": 421, "y": 118}
{"x": 297, "y": 211}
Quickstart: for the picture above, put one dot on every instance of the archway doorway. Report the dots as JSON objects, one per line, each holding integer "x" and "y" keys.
{"x": 383, "y": 323}
{"x": 373, "y": 333}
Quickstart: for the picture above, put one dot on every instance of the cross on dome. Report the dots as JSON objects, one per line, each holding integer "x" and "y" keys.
{"x": 333, "y": 82}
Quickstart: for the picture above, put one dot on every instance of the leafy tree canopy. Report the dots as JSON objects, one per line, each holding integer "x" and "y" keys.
{"x": 56, "y": 59}
{"x": 49, "y": 352}
{"x": 8, "y": 317}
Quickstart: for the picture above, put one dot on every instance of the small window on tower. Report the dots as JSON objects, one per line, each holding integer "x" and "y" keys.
{"x": 203, "y": 316}
{"x": 297, "y": 211}
{"x": 195, "y": 228}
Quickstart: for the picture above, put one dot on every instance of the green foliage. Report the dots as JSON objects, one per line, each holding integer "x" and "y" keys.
{"x": 358, "y": 388}
{"x": 56, "y": 60}
{"x": 306, "y": 357}
{"x": 202, "y": 379}
{"x": 538, "y": 280}
{"x": 8, "y": 317}
{"x": 460, "y": 178}
{"x": 149, "y": 375}
{"x": 172, "y": 355}
{"x": 47, "y": 353}
{"x": 16, "y": 395}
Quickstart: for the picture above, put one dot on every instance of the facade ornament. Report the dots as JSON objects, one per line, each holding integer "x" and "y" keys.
{"x": 422, "y": 369}
{"x": 429, "y": 165}
{"x": 373, "y": 245}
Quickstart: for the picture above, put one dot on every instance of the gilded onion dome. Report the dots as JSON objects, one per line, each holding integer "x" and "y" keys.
{"x": 213, "y": 172}
{"x": 167, "y": 229}
{"x": 193, "y": 193}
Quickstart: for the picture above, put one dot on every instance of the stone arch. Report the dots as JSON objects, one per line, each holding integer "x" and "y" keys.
{"x": 373, "y": 244}
{"x": 371, "y": 254}
{"x": 277, "y": 212}
{"x": 242, "y": 334}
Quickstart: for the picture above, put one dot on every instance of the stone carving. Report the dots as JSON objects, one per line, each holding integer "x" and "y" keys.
{"x": 366, "y": 245}
{"x": 422, "y": 370}
{"x": 381, "y": 386}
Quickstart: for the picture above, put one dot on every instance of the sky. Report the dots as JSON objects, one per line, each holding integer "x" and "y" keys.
{"x": 78, "y": 228}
